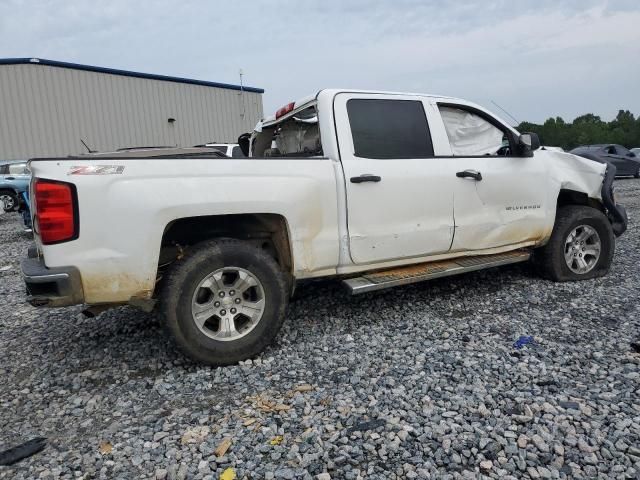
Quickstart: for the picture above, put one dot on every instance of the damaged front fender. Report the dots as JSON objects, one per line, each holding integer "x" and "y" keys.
{"x": 592, "y": 178}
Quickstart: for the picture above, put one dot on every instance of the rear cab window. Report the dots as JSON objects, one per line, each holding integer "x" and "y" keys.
{"x": 297, "y": 135}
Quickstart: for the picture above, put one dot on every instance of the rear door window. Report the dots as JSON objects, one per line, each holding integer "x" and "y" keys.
{"x": 389, "y": 129}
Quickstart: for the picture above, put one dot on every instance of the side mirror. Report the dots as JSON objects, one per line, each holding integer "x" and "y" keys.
{"x": 243, "y": 143}
{"x": 527, "y": 143}
{"x": 631, "y": 154}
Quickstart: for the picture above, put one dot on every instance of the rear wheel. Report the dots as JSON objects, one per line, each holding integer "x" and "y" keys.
{"x": 637, "y": 174}
{"x": 224, "y": 302}
{"x": 581, "y": 245}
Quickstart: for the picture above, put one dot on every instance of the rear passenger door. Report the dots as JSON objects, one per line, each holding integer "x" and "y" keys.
{"x": 399, "y": 198}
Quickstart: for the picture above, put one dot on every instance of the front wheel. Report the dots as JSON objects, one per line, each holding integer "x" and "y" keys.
{"x": 581, "y": 245}
{"x": 637, "y": 174}
{"x": 8, "y": 201}
{"x": 224, "y": 302}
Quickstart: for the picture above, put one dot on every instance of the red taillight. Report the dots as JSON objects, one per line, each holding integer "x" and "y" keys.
{"x": 284, "y": 110}
{"x": 56, "y": 211}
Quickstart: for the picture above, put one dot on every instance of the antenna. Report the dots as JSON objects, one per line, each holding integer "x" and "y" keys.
{"x": 241, "y": 73}
{"x": 87, "y": 147}
{"x": 512, "y": 117}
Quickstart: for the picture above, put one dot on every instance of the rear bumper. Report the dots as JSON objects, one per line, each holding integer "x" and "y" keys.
{"x": 617, "y": 213}
{"x": 51, "y": 287}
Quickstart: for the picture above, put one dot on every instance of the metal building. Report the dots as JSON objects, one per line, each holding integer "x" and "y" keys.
{"x": 47, "y": 107}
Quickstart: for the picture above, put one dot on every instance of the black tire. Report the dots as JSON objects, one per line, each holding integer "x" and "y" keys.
{"x": 14, "y": 199}
{"x": 187, "y": 273}
{"x": 550, "y": 259}
{"x": 637, "y": 174}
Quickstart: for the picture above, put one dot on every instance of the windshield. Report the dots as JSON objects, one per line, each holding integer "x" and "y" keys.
{"x": 297, "y": 136}
{"x": 620, "y": 150}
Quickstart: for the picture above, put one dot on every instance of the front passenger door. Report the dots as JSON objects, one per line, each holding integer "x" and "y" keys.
{"x": 500, "y": 199}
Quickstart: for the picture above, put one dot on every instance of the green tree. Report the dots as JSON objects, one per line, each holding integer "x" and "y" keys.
{"x": 587, "y": 129}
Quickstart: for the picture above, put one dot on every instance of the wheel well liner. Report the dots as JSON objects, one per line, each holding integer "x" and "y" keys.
{"x": 267, "y": 230}
{"x": 573, "y": 197}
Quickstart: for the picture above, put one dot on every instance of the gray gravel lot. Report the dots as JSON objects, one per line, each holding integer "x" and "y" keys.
{"x": 417, "y": 382}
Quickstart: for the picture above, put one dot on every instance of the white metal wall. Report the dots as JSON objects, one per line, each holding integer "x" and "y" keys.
{"x": 46, "y": 110}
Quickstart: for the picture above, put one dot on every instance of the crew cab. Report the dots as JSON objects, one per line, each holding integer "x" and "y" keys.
{"x": 376, "y": 189}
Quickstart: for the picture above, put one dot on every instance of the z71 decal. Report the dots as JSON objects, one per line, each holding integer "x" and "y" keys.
{"x": 96, "y": 170}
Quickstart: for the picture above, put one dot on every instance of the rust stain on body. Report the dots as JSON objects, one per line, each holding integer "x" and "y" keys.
{"x": 429, "y": 268}
{"x": 413, "y": 270}
{"x": 115, "y": 288}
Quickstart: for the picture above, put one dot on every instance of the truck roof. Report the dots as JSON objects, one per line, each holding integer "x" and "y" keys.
{"x": 292, "y": 108}
{"x": 331, "y": 92}
{"x": 335, "y": 91}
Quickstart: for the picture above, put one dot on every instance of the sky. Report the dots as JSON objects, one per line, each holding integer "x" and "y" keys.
{"x": 534, "y": 58}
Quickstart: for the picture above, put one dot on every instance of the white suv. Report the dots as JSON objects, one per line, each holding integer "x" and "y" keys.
{"x": 229, "y": 149}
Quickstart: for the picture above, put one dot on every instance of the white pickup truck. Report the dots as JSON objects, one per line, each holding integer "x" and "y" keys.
{"x": 377, "y": 189}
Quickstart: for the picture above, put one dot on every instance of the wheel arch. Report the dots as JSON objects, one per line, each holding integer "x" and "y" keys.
{"x": 573, "y": 197}
{"x": 267, "y": 230}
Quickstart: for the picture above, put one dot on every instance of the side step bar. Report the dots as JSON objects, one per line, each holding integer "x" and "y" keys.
{"x": 426, "y": 271}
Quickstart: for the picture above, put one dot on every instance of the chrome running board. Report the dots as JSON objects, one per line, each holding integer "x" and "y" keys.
{"x": 426, "y": 271}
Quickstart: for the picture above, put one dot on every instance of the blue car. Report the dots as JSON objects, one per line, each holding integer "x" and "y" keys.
{"x": 14, "y": 180}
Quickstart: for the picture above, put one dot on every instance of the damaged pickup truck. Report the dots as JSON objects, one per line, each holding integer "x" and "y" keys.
{"x": 376, "y": 189}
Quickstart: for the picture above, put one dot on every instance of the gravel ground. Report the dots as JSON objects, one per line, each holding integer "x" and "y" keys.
{"x": 416, "y": 382}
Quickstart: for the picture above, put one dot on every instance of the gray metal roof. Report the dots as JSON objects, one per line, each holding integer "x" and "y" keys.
{"x": 126, "y": 73}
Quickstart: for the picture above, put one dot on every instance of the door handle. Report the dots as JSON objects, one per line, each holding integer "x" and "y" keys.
{"x": 366, "y": 177}
{"x": 10, "y": 178}
{"x": 477, "y": 176}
